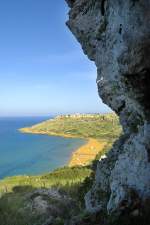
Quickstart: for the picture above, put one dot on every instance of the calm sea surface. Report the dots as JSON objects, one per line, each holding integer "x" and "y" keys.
{"x": 31, "y": 154}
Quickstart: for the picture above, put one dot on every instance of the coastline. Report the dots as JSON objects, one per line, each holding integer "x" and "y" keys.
{"x": 30, "y": 131}
{"x": 81, "y": 156}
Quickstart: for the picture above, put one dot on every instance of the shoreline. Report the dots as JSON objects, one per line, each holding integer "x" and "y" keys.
{"x": 30, "y": 131}
{"x": 81, "y": 156}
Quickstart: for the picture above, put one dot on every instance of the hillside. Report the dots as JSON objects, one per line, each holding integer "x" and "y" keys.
{"x": 36, "y": 200}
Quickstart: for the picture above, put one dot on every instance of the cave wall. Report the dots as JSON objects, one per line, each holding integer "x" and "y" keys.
{"x": 116, "y": 36}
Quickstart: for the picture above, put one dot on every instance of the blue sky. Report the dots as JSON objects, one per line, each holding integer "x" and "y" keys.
{"x": 42, "y": 68}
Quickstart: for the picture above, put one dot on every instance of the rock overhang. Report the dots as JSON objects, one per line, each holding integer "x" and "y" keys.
{"x": 116, "y": 36}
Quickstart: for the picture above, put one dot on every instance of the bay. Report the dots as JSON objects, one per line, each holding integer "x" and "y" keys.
{"x": 30, "y": 154}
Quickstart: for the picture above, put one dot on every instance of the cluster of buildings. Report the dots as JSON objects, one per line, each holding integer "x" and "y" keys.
{"x": 80, "y": 115}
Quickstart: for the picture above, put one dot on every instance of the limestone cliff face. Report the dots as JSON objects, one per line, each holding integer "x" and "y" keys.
{"x": 116, "y": 35}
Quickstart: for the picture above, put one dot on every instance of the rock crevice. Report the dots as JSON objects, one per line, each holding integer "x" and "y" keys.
{"x": 116, "y": 36}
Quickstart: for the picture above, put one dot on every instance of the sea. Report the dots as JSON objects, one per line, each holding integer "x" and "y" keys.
{"x": 32, "y": 154}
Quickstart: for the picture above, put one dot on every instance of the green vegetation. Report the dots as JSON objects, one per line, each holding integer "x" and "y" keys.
{"x": 18, "y": 194}
{"x": 29, "y": 200}
{"x": 60, "y": 177}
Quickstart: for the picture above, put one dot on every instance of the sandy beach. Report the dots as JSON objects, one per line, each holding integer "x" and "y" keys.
{"x": 87, "y": 152}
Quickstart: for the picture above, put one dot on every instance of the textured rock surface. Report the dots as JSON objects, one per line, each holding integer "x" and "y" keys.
{"x": 51, "y": 203}
{"x": 116, "y": 35}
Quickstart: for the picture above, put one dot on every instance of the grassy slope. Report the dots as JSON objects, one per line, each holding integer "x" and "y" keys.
{"x": 60, "y": 178}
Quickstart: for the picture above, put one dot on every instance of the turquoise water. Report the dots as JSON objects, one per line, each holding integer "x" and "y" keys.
{"x": 30, "y": 154}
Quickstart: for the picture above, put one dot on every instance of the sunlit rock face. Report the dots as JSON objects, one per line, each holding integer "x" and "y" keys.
{"x": 116, "y": 35}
